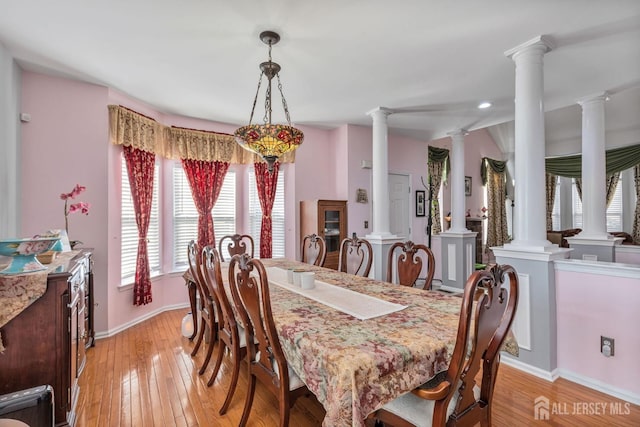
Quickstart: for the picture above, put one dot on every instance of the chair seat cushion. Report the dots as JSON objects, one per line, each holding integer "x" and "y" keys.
{"x": 294, "y": 380}
{"x": 419, "y": 411}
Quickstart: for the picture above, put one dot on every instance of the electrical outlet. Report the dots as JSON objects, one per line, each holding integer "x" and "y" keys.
{"x": 366, "y": 224}
{"x": 607, "y": 346}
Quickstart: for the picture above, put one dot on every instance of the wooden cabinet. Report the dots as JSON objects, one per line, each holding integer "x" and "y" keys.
{"x": 45, "y": 344}
{"x": 326, "y": 218}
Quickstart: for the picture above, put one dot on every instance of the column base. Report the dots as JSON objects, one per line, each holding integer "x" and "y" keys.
{"x": 380, "y": 243}
{"x": 600, "y": 248}
{"x": 458, "y": 256}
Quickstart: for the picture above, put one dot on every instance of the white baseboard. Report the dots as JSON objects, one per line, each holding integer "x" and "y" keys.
{"x": 112, "y": 332}
{"x": 601, "y": 386}
{"x": 529, "y": 369}
{"x": 573, "y": 377}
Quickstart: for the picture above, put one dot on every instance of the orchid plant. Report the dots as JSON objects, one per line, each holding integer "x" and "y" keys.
{"x": 70, "y": 208}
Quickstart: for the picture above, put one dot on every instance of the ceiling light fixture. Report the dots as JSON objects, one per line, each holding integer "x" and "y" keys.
{"x": 268, "y": 140}
{"x": 484, "y": 105}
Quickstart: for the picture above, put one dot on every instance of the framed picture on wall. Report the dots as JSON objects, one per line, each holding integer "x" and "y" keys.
{"x": 420, "y": 203}
{"x": 467, "y": 185}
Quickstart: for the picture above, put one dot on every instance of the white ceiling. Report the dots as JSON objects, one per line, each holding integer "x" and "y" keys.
{"x": 341, "y": 59}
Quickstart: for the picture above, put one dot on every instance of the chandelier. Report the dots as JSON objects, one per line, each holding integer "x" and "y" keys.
{"x": 268, "y": 140}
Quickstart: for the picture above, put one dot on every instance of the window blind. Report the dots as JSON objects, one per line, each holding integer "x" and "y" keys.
{"x": 614, "y": 211}
{"x": 277, "y": 215}
{"x": 129, "y": 229}
{"x": 185, "y": 214}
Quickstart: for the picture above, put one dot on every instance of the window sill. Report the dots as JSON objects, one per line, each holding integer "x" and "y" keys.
{"x": 129, "y": 286}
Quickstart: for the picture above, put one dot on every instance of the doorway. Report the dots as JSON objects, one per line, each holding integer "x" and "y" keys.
{"x": 399, "y": 205}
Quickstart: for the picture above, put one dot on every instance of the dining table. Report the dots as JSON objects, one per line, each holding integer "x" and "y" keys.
{"x": 358, "y": 343}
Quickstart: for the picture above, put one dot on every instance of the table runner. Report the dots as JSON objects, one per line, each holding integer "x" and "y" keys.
{"x": 359, "y": 305}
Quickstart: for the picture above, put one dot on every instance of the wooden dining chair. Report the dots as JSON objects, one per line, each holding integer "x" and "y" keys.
{"x": 314, "y": 250}
{"x": 356, "y": 256}
{"x": 236, "y": 244}
{"x": 230, "y": 335}
{"x": 207, "y": 305}
{"x": 408, "y": 260}
{"x": 266, "y": 361}
{"x": 452, "y": 397}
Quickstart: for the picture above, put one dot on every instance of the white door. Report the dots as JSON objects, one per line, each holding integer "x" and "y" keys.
{"x": 399, "y": 205}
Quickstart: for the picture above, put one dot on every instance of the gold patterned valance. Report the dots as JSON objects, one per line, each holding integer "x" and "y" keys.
{"x": 201, "y": 145}
{"x": 133, "y": 129}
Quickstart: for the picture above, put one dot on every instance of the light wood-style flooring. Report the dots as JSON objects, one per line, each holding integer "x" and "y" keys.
{"x": 145, "y": 376}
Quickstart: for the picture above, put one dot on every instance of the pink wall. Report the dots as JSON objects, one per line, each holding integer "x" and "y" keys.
{"x": 628, "y": 254}
{"x": 591, "y": 305}
{"x": 65, "y": 144}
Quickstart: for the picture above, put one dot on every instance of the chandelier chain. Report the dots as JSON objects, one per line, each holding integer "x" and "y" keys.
{"x": 267, "y": 104}
{"x": 256, "y": 97}
{"x": 284, "y": 101}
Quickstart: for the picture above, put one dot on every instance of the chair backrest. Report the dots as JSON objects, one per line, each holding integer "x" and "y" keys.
{"x": 213, "y": 278}
{"x": 250, "y": 292}
{"x": 356, "y": 256}
{"x": 409, "y": 260}
{"x": 314, "y": 249}
{"x": 194, "y": 255}
{"x": 489, "y": 309}
{"x": 238, "y": 244}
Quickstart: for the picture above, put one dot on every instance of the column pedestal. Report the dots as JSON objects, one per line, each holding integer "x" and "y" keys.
{"x": 535, "y": 324}
{"x": 380, "y": 245}
{"x": 458, "y": 255}
{"x": 594, "y": 249}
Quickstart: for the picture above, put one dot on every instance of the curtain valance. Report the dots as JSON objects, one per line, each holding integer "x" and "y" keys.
{"x": 130, "y": 128}
{"x": 440, "y": 155}
{"x": 498, "y": 166}
{"x": 617, "y": 160}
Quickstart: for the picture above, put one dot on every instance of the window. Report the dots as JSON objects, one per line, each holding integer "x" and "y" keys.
{"x": 277, "y": 215}
{"x": 555, "y": 213}
{"x": 129, "y": 230}
{"x": 614, "y": 211}
{"x": 185, "y": 215}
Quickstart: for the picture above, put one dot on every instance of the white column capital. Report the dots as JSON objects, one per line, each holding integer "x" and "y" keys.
{"x": 380, "y": 112}
{"x": 458, "y": 133}
{"x": 596, "y": 97}
{"x": 540, "y": 44}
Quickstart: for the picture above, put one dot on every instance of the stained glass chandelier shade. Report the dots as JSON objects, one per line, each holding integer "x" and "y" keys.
{"x": 269, "y": 140}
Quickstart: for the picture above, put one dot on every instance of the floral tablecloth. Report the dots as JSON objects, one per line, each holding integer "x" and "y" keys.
{"x": 19, "y": 291}
{"x": 354, "y": 366}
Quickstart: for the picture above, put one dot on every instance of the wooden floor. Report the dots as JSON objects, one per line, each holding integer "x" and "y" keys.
{"x": 145, "y": 376}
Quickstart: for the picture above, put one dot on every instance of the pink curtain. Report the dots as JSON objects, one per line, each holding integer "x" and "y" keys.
{"x": 266, "y": 183}
{"x": 140, "y": 167}
{"x": 205, "y": 179}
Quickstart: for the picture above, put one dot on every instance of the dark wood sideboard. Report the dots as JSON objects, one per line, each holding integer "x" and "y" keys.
{"x": 46, "y": 343}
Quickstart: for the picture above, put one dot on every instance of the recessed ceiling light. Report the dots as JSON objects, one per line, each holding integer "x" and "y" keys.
{"x": 484, "y": 105}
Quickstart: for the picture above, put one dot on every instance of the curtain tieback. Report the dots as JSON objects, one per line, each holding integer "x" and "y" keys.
{"x": 266, "y": 216}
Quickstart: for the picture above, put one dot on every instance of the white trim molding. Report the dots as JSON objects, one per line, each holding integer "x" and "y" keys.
{"x": 124, "y": 326}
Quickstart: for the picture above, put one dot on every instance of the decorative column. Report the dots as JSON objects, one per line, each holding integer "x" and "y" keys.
{"x": 594, "y": 243}
{"x": 458, "y": 251}
{"x": 530, "y": 144}
{"x": 458, "y": 222}
{"x": 380, "y": 238}
{"x": 532, "y": 256}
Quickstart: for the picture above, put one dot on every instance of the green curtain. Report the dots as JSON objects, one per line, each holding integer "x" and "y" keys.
{"x": 498, "y": 166}
{"x": 617, "y": 160}
{"x": 438, "y": 168}
{"x": 441, "y": 155}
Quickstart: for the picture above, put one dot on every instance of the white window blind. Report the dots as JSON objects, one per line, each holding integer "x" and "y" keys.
{"x": 555, "y": 213}
{"x": 614, "y": 211}
{"x": 185, "y": 215}
{"x": 576, "y": 203}
{"x": 129, "y": 231}
{"x": 277, "y": 215}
